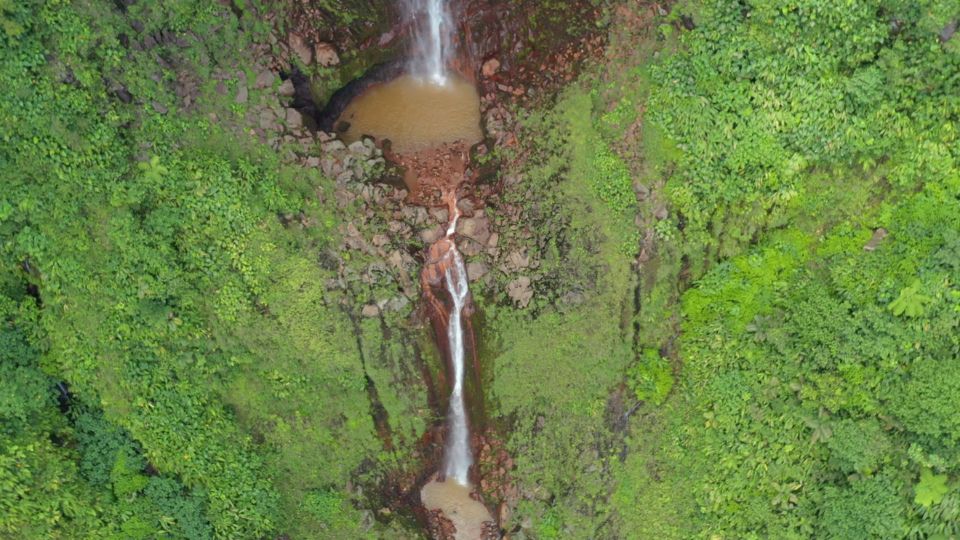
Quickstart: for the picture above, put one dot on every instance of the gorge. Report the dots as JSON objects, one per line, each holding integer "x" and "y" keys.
{"x": 419, "y": 116}
{"x": 479, "y": 269}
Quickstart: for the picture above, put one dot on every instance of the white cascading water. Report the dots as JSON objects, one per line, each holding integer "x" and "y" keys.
{"x": 458, "y": 457}
{"x": 432, "y": 39}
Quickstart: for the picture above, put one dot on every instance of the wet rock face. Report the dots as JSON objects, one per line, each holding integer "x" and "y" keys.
{"x": 439, "y": 527}
{"x": 496, "y": 34}
{"x": 348, "y": 24}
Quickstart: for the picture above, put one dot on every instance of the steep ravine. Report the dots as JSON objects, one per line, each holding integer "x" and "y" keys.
{"x": 389, "y": 229}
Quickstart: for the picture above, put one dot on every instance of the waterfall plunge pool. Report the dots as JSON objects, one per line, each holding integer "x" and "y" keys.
{"x": 415, "y": 114}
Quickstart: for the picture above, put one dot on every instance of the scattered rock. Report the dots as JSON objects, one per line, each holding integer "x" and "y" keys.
{"x": 641, "y": 191}
{"x": 159, "y": 107}
{"x": 491, "y": 67}
{"x": 326, "y": 55}
{"x": 520, "y": 291}
{"x": 242, "y": 94}
{"x": 267, "y": 120}
{"x": 294, "y": 119}
{"x": 287, "y": 89}
{"x": 878, "y": 236}
{"x": 517, "y": 261}
{"x": 386, "y": 38}
{"x": 380, "y": 240}
{"x": 357, "y": 147}
{"x": 264, "y": 79}
{"x": 370, "y": 311}
{"x": 300, "y": 48}
{"x": 476, "y": 228}
{"x": 469, "y": 247}
{"x": 476, "y": 270}
{"x": 440, "y": 215}
{"x": 430, "y": 236}
{"x": 397, "y": 304}
{"x": 949, "y": 30}
{"x": 333, "y": 146}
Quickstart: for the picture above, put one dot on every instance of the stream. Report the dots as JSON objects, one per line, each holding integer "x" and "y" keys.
{"x": 427, "y": 117}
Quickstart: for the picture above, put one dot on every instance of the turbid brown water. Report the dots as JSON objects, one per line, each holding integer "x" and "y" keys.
{"x": 416, "y": 114}
{"x": 454, "y": 500}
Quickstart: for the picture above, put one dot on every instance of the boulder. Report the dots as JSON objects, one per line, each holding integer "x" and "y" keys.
{"x": 357, "y": 147}
{"x": 267, "y": 120}
{"x": 430, "y": 236}
{"x": 469, "y": 247}
{"x": 440, "y": 215}
{"x": 476, "y": 270}
{"x": 300, "y": 49}
{"x": 380, "y": 240}
{"x": 333, "y": 146}
{"x": 287, "y": 89}
{"x": 370, "y": 311}
{"x": 386, "y": 38}
{"x": 264, "y": 79}
{"x": 395, "y": 259}
{"x": 876, "y": 239}
{"x": 397, "y": 304}
{"x": 242, "y": 94}
{"x": 517, "y": 261}
{"x": 294, "y": 119}
{"x": 491, "y": 67}
{"x": 520, "y": 291}
{"x": 475, "y": 228}
{"x": 326, "y": 55}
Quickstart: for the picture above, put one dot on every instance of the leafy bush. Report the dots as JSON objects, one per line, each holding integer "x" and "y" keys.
{"x": 652, "y": 377}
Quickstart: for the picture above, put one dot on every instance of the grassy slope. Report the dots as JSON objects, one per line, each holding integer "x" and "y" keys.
{"x": 172, "y": 299}
{"x": 786, "y": 420}
{"x": 553, "y": 372}
{"x": 784, "y": 178}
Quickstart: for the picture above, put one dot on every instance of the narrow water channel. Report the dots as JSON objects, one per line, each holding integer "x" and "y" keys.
{"x": 430, "y": 116}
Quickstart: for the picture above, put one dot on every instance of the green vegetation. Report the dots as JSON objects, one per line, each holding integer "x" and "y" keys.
{"x": 811, "y": 401}
{"x": 740, "y": 228}
{"x": 145, "y": 267}
{"x": 788, "y": 382}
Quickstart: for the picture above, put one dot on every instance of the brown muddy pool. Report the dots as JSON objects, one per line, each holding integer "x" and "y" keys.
{"x": 454, "y": 500}
{"x": 414, "y": 114}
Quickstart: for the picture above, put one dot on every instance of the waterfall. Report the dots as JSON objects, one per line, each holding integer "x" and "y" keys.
{"x": 458, "y": 458}
{"x": 431, "y": 39}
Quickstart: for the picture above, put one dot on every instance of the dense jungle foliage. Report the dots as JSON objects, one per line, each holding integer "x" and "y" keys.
{"x": 746, "y": 218}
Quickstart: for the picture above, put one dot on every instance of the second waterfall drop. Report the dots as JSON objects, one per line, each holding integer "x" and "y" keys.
{"x": 458, "y": 457}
